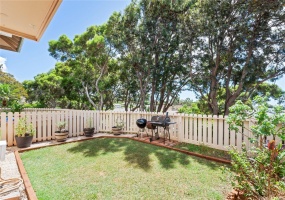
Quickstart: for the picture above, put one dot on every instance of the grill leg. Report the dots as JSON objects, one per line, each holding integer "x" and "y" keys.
{"x": 166, "y": 133}
{"x": 141, "y": 131}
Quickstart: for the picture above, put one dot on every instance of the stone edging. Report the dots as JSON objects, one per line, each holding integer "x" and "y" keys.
{"x": 28, "y": 186}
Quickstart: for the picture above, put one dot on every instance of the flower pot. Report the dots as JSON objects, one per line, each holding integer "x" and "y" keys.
{"x": 61, "y": 136}
{"x": 24, "y": 142}
{"x": 116, "y": 130}
{"x": 88, "y": 132}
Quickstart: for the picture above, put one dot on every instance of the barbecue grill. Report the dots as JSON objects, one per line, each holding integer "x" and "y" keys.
{"x": 141, "y": 123}
{"x": 162, "y": 121}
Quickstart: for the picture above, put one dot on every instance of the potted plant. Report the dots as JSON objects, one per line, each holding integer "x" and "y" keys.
{"x": 61, "y": 134}
{"x": 24, "y": 133}
{"x": 88, "y": 127}
{"x": 118, "y": 128}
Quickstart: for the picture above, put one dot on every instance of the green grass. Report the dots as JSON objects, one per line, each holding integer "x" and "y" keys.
{"x": 204, "y": 150}
{"x": 107, "y": 168}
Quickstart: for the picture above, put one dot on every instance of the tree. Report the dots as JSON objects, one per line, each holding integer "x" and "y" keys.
{"x": 17, "y": 91}
{"x": 148, "y": 37}
{"x": 74, "y": 93}
{"x": 5, "y": 93}
{"x": 272, "y": 90}
{"x": 46, "y": 89}
{"x": 89, "y": 55}
{"x": 239, "y": 46}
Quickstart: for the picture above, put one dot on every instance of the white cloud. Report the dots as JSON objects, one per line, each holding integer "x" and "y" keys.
{"x": 3, "y": 65}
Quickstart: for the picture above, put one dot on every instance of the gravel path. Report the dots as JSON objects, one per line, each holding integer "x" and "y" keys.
{"x": 9, "y": 169}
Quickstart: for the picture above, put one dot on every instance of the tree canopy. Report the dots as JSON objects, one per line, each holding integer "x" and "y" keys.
{"x": 10, "y": 88}
{"x": 239, "y": 46}
{"x": 223, "y": 50}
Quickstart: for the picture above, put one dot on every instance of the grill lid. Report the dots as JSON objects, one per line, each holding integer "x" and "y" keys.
{"x": 141, "y": 123}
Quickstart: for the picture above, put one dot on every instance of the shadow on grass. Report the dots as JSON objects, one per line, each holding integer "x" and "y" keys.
{"x": 136, "y": 153}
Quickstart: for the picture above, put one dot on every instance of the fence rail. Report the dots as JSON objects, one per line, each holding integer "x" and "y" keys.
{"x": 212, "y": 131}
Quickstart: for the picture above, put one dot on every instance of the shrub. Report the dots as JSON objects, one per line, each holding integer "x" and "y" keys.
{"x": 24, "y": 128}
{"x": 16, "y": 107}
{"x": 260, "y": 170}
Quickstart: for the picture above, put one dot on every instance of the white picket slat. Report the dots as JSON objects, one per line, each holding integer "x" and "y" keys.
{"x": 10, "y": 131}
{"x": 3, "y": 126}
{"x": 44, "y": 126}
{"x": 215, "y": 127}
{"x": 220, "y": 131}
{"x": 200, "y": 129}
{"x": 205, "y": 129}
{"x": 226, "y": 133}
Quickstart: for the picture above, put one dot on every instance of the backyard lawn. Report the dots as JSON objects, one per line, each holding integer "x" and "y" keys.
{"x": 113, "y": 168}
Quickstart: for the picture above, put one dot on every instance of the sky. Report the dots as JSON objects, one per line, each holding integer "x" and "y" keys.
{"x": 72, "y": 18}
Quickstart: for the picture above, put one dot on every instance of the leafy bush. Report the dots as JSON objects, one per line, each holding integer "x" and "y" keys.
{"x": 89, "y": 122}
{"x": 24, "y": 128}
{"x": 34, "y": 105}
{"x": 259, "y": 171}
{"x": 16, "y": 107}
{"x": 61, "y": 126}
{"x": 193, "y": 109}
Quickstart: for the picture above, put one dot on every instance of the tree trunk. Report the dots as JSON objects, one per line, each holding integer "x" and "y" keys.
{"x": 152, "y": 101}
{"x": 87, "y": 94}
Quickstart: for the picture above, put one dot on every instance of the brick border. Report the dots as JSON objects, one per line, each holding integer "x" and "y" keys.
{"x": 31, "y": 194}
{"x": 28, "y": 186}
{"x": 186, "y": 152}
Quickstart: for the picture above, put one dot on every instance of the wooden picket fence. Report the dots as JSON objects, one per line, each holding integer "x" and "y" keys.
{"x": 45, "y": 123}
{"x": 212, "y": 131}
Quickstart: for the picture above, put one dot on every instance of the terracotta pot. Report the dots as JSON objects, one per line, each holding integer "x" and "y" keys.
{"x": 24, "y": 142}
{"x": 61, "y": 136}
{"x": 116, "y": 130}
{"x": 88, "y": 132}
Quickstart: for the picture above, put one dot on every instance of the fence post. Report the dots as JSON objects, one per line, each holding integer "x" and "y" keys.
{"x": 181, "y": 132}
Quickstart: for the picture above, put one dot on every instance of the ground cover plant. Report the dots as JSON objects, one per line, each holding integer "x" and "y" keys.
{"x": 113, "y": 168}
{"x": 204, "y": 150}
